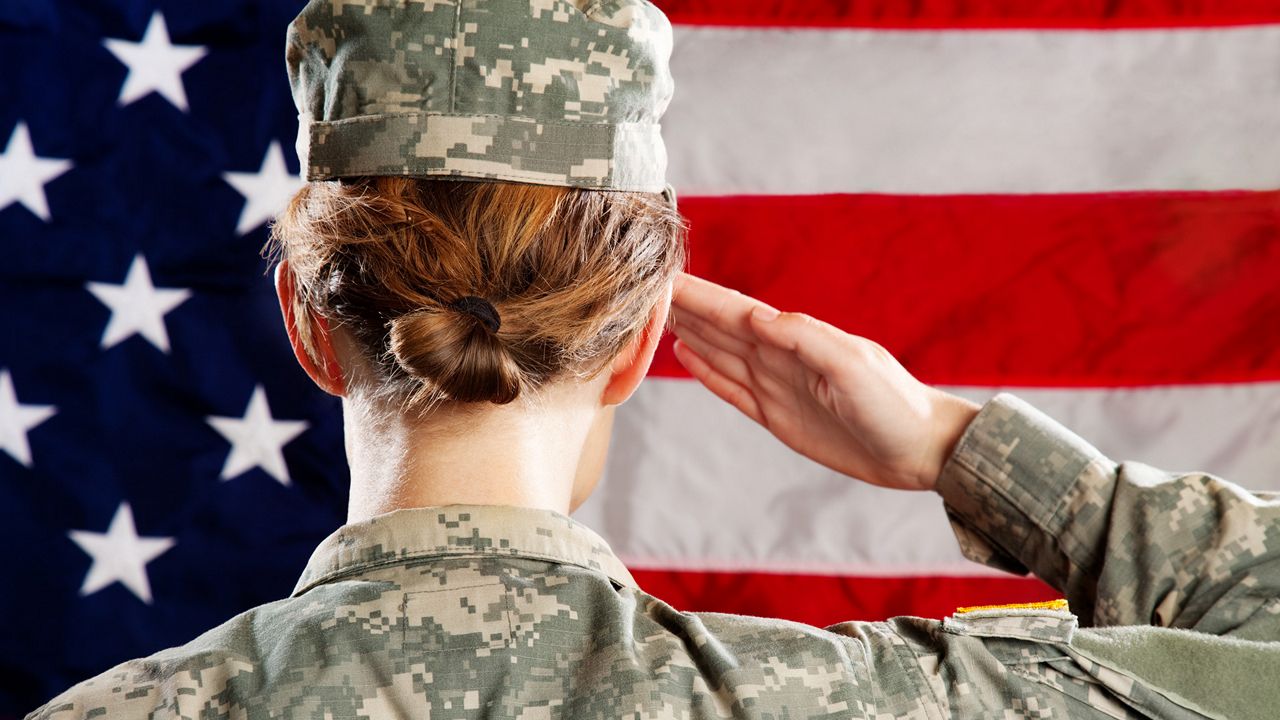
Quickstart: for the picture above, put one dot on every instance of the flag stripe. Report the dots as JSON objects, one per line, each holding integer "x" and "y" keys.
{"x": 1094, "y": 290}
{"x": 810, "y": 111}
{"x": 767, "y": 509}
{"x": 931, "y": 14}
{"x": 823, "y": 600}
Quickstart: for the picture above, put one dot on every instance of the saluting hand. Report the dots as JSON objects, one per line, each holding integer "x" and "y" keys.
{"x": 838, "y": 399}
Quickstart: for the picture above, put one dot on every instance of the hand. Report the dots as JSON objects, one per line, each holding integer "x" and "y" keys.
{"x": 838, "y": 399}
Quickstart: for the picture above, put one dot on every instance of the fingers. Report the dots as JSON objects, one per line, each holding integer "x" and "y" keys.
{"x": 732, "y": 365}
{"x": 728, "y": 310}
{"x": 820, "y": 347}
{"x": 767, "y": 371}
{"x": 690, "y": 325}
{"x": 723, "y": 321}
{"x": 719, "y": 384}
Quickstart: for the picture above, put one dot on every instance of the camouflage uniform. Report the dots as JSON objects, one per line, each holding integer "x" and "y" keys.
{"x": 503, "y": 612}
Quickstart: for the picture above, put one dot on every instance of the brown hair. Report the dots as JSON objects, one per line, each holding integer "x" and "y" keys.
{"x": 572, "y": 274}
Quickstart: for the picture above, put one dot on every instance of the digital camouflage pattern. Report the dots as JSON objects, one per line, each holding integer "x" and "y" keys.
{"x": 1127, "y": 544}
{"x": 538, "y": 91}
{"x": 502, "y": 612}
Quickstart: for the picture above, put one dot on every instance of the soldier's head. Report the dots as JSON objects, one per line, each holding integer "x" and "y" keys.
{"x": 487, "y": 222}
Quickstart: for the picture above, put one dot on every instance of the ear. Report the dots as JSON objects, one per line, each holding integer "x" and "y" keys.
{"x": 329, "y": 375}
{"x": 632, "y": 364}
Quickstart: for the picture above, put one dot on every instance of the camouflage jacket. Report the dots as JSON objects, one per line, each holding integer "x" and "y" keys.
{"x": 503, "y": 612}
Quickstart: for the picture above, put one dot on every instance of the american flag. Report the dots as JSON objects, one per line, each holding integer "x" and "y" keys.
{"x": 1075, "y": 200}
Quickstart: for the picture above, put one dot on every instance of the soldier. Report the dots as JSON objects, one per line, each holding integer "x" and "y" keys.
{"x": 481, "y": 267}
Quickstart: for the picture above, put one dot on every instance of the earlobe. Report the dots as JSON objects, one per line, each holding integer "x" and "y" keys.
{"x": 328, "y": 376}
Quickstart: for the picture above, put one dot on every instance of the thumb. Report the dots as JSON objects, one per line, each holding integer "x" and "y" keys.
{"x": 818, "y": 345}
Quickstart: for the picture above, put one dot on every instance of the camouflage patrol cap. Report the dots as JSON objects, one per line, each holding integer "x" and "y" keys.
{"x": 541, "y": 91}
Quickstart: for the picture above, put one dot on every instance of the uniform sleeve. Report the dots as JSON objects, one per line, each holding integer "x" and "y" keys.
{"x": 1128, "y": 544}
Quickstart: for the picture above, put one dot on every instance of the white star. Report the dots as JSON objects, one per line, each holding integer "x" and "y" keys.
{"x": 257, "y": 439}
{"x": 17, "y": 419}
{"x": 266, "y": 192}
{"x": 137, "y": 306}
{"x": 155, "y": 63}
{"x": 119, "y": 554}
{"x": 23, "y": 175}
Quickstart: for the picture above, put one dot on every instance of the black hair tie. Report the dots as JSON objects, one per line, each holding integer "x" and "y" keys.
{"x": 479, "y": 308}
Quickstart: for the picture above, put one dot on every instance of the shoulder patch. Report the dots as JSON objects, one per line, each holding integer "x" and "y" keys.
{"x": 1059, "y": 604}
{"x": 1048, "y": 622}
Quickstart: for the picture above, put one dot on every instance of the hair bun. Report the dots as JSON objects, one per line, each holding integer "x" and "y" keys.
{"x": 455, "y": 351}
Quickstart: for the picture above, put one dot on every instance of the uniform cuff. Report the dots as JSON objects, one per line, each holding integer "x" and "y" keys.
{"x": 1006, "y": 483}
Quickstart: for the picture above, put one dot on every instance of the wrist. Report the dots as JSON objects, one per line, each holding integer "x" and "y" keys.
{"x": 952, "y": 415}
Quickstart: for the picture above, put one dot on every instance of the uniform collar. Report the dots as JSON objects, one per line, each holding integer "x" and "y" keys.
{"x": 459, "y": 530}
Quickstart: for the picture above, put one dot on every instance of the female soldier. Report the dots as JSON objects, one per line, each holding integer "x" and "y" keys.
{"x": 481, "y": 268}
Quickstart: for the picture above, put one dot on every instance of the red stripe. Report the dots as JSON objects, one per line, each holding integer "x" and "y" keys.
{"x": 1033, "y": 290}
{"x": 822, "y": 600}
{"x": 973, "y": 14}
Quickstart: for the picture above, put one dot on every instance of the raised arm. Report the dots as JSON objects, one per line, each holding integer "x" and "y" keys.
{"x": 1127, "y": 543}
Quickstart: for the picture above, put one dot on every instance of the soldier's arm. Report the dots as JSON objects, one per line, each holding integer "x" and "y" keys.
{"x": 1128, "y": 544}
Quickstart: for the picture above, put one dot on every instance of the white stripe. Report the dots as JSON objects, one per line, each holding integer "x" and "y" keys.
{"x": 692, "y": 484}
{"x": 804, "y": 111}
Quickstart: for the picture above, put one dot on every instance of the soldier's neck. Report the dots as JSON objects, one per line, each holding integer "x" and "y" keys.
{"x": 528, "y": 454}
